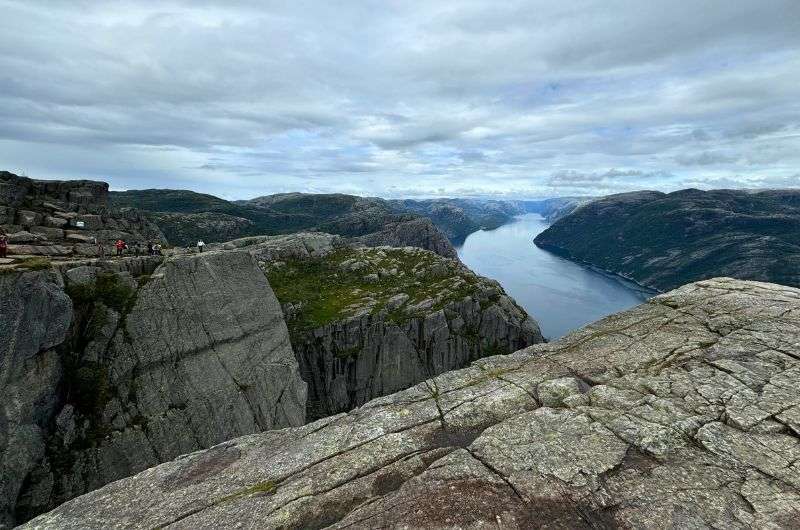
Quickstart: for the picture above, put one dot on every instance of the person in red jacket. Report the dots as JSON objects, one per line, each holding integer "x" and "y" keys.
{"x": 3, "y": 245}
{"x": 120, "y": 246}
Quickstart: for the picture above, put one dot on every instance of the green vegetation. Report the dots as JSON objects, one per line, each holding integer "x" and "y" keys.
{"x": 349, "y": 280}
{"x": 264, "y": 487}
{"x": 35, "y": 263}
{"x": 667, "y": 240}
{"x": 107, "y": 288}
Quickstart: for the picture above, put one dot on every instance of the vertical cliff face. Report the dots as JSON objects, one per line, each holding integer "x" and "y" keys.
{"x": 366, "y": 322}
{"x": 106, "y": 373}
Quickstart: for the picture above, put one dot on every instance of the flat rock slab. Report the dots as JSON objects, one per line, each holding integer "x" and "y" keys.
{"x": 680, "y": 413}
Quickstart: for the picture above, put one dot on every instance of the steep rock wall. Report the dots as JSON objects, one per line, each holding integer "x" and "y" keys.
{"x": 109, "y": 374}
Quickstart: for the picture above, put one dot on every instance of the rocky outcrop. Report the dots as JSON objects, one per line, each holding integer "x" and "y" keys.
{"x": 415, "y": 232}
{"x": 366, "y": 322}
{"x": 663, "y": 240}
{"x": 54, "y": 218}
{"x": 106, "y": 373}
{"x": 680, "y": 413}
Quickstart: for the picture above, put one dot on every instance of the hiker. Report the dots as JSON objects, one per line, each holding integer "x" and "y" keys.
{"x": 200, "y": 245}
{"x": 101, "y": 250}
{"x": 3, "y": 245}
{"x": 149, "y": 248}
{"x": 137, "y": 248}
{"x": 120, "y": 247}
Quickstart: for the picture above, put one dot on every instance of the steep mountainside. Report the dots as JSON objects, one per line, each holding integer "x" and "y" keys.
{"x": 365, "y": 322}
{"x": 458, "y": 218}
{"x": 680, "y": 413}
{"x": 112, "y": 367}
{"x": 553, "y": 209}
{"x": 50, "y": 217}
{"x": 186, "y": 216}
{"x": 665, "y": 240}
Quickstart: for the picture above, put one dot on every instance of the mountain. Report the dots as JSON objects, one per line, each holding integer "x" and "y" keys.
{"x": 458, "y": 218}
{"x": 663, "y": 240}
{"x": 552, "y": 209}
{"x": 680, "y": 413}
{"x": 185, "y": 216}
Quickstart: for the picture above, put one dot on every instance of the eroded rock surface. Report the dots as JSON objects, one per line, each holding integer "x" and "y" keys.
{"x": 366, "y": 322}
{"x": 680, "y": 413}
{"x": 109, "y": 368}
{"x": 57, "y": 218}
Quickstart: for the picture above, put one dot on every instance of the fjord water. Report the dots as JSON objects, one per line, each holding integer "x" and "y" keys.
{"x": 560, "y": 294}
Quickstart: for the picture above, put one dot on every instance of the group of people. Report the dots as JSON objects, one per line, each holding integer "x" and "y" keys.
{"x": 153, "y": 249}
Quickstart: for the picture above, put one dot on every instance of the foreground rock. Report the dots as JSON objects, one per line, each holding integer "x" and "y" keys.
{"x": 109, "y": 368}
{"x": 681, "y": 413}
{"x": 366, "y": 322}
{"x": 663, "y": 240}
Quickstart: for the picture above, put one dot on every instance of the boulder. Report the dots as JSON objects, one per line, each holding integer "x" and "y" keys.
{"x": 28, "y": 218}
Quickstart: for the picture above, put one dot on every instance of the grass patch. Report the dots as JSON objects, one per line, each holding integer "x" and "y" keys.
{"x": 36, "y": 263}
{"x": 327, "y": 290}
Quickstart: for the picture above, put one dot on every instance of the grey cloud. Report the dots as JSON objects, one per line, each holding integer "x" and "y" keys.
{"x": 706, "y": 158}
{"x": 473, "y": 97}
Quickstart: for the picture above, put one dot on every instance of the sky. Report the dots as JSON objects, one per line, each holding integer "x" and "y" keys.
{"x": 403, "y": 98}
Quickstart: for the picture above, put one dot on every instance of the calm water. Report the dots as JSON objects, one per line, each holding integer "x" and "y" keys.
{"x": 559, "y": 294}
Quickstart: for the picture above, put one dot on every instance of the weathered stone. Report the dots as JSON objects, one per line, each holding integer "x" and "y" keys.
{"x": 198, "y": 353}
{"x": 35, "y": 317}
{"x": 49, "y": 233}
{"x": 652, "y": 445}
{"x": 28, "y": 218}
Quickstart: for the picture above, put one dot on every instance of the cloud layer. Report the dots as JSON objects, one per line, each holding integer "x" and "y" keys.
{"x": 395, "y": 98}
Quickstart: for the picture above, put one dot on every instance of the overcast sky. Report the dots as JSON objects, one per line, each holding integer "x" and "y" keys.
{"x": 403, "y": 98}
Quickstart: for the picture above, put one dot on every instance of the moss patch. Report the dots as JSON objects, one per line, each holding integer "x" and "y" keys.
{"x": 36, "y": 263}
{"x": 349, "y": 281}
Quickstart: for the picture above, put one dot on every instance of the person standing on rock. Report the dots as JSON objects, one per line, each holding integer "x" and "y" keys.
{"x": 101, "y": 250}
{"x": 200, "y": 245}
{"x": 120, "y": 247}
{"x": 3, "y": 245}
{"x": 149, "y": 248}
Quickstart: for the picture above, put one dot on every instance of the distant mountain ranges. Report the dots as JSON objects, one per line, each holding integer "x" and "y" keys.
{"x": 186, "y": 216}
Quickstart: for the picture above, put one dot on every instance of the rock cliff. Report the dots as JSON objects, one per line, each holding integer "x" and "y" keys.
{"x": 366, "y": 322}
{"x": 43, "y": 217}
{"x": 663, "y": 240}
{"x": 112, "y": 367}
{"x": 680, "y": 413}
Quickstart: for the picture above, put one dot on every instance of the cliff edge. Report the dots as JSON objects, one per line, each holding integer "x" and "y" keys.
{"x": 682, "y": 412}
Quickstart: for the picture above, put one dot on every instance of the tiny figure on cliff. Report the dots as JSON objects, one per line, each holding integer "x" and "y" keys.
{"x": 101, "y": 250}
{"x": 149, "y": 248}
{"x": 200, "y": 245}
{"x": 120, "y": 247}
{"x": 3, "y": 245}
